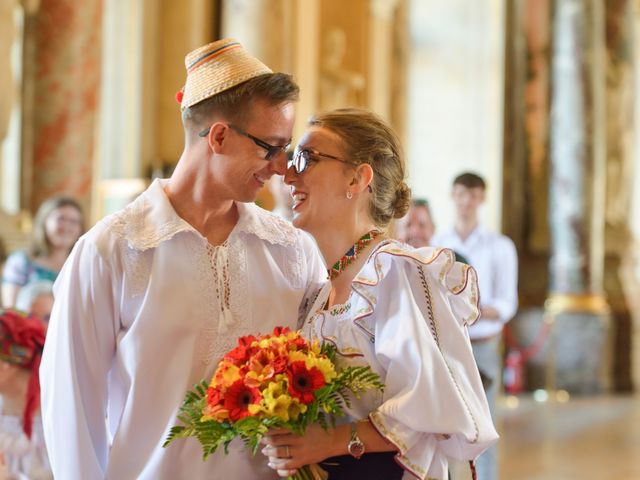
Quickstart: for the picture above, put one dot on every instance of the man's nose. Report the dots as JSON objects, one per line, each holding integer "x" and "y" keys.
{"x": 278, "y": 164}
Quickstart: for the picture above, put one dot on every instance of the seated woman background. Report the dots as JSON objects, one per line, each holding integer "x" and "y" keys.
{"x": 36, "y": 298}
{"x": 401, "y": 310}
{"x": 57, "y": 226}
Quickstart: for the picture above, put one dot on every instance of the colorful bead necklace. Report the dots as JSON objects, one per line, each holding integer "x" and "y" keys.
{"x": 352, "y": 253}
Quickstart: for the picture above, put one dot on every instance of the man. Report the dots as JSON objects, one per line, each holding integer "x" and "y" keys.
{"x": 494, "y": 258}
{"x": 416, "y": 228}
{"x": 154, "y": 295}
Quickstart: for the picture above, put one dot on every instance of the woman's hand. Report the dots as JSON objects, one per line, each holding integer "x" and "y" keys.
{"x": 287, "y": 451}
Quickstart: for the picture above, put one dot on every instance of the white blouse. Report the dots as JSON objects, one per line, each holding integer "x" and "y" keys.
{"x": 407, "y": 318}
{"x": 144, "y": 308}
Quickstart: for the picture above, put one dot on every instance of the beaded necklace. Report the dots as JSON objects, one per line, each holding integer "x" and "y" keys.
{"x": 352, "y": 253}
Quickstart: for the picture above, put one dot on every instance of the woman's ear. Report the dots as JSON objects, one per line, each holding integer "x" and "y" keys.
{"x": 362, "y": 178}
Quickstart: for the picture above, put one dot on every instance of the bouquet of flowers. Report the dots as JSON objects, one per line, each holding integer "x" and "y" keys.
{"x": 279, "y": 380}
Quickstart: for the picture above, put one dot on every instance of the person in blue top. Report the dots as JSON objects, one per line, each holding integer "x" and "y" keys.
{"x": 57, "y": 226}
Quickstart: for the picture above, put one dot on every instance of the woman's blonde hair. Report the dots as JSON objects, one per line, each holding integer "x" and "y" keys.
{"x": 368, "y": 139}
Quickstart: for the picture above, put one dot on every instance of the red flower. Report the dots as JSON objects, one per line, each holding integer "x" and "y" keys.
{"x": 238, "y": 398}
{"x": 277, "y": 331}
{"x": 243, "y": 351}
{"x": 279, "y": 364}
{"x": 299, "y": 343}
{"x": 179, "y": 96}
{"x": 304, "y": 382}
{"x": 213, "y": 397}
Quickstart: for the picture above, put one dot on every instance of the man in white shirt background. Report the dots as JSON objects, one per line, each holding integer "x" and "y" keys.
{"x": 153, "y": 296}
{"x": 495, "y": 260}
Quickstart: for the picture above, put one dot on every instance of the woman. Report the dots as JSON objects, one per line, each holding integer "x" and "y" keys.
{"x": 57, "y": 226}
{"x": 400, "y": 310}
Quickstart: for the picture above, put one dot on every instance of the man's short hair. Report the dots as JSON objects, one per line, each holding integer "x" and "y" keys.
{"x": 235, "y": 103}
{"x": 470, "y": 180}
{"x": 420, "y": 202}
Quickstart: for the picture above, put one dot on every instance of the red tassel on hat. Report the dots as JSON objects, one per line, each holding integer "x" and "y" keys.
{"x": 179, "y": 95}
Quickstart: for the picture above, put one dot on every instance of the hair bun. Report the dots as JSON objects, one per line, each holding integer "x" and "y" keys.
{"x": 403, "y": 200}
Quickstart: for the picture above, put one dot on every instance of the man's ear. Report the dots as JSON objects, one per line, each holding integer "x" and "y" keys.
{"x": 362, "y": 178}
{"x": 218, "y": 136}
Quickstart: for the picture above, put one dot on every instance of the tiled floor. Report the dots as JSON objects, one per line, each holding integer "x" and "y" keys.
{"x": 595, "y": 438}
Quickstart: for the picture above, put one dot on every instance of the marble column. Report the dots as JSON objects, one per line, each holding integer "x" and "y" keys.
{"x": 61, "y": 75}
{"x": 621, "y": 80}
{"x": 284, "y": 34}
{"x": 380, "y": 44}
{"x": 580, "y": 352}
{"x": 265, "y": 27}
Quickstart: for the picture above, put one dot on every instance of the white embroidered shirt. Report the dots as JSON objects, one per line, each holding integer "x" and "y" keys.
{"x": 144, "y": 308}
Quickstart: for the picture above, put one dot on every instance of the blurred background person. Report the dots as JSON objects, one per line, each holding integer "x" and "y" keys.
{"x": 36, "y": 298}
{"x": 21, "y": 436}
{"x": 416, "y": 228}
{"x": 495, "y": 260}
{"x": 57, "y": 226}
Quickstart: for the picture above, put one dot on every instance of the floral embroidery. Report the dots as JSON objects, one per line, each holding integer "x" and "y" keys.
{"x": 340, "y": 309}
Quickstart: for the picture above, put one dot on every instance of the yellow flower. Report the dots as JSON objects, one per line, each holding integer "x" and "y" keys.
{"x": 226, "y": 374}
{"x": 311, "y": 360}
{"x": 276, "y": 401}
{"x": 316, "y": 347}
{"x": 327, "y": 368}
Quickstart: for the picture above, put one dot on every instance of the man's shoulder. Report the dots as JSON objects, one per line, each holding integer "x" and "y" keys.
{"x": 115, "y": 225}
{"x": 268, "y": 226}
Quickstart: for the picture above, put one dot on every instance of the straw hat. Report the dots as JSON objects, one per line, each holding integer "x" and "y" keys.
{"x": 216, "y": 67}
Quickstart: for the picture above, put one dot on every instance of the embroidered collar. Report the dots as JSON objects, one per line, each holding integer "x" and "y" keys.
{"x": 151, "y": 219}
{"x": 265, "y": 225}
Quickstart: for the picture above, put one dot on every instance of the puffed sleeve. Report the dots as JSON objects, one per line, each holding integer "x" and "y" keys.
{"x": 434, "y": 405}
{"x": 77, "y": 356}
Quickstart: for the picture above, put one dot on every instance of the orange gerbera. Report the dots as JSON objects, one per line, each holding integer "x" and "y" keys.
{"x": 237, "y": 399}
{"x": 303, "y": 381}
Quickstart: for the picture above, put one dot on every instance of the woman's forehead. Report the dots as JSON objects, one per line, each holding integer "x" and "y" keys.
{"x": 320, "y": 136}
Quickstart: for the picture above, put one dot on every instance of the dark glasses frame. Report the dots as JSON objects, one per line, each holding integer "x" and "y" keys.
{"x": 272, "y": 150}
{"x": 302, "y": 157}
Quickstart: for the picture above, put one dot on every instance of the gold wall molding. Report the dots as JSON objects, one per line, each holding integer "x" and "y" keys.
{"x": 558, "y": 303}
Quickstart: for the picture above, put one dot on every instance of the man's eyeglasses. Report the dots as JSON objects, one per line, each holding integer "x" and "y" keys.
{"x": 272, "y": 150}
{"x": 303, "y": 156}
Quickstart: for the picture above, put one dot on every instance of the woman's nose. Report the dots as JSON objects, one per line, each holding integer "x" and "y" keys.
{"x": 290, "y": 176}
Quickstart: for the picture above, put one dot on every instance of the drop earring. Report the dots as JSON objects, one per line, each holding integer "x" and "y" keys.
{"x": 349, "y": 194}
